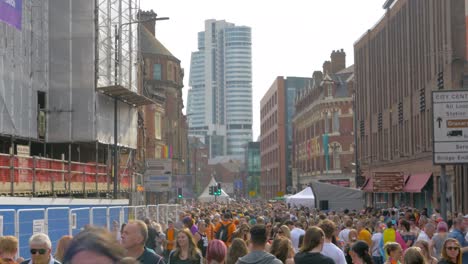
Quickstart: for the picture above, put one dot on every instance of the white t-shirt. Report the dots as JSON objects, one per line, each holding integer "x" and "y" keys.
{"x": 423, "y": 236}
{"x": 295, "y": 234}
{"x": 334, "y": 252}
{"x": 376, "y": 238}
{"x": 344, "y": 235}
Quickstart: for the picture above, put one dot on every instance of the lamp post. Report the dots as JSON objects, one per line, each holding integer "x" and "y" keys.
{"x": 117, "y": 34}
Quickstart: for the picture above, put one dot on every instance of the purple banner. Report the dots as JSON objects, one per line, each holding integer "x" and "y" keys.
{"x": 11, "y": 11}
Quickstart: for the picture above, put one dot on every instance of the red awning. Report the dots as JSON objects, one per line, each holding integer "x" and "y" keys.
{"x": 416, "y": 182}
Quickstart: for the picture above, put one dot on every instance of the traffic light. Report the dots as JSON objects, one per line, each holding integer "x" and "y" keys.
{"x": 219, "y": 189}
{"x": 215, "y": 190}
{"x": 211, "y": 190}
{"x": 179, "y": 193}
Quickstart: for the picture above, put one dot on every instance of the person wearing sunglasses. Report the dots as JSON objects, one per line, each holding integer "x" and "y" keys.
{"x": 451, "y": 253}
{"x": 40, "y": 249}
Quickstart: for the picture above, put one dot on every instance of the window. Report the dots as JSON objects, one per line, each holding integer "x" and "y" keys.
{"x": 157, "y": 125}
{"x": 336, "y": 122}
{"x": 336, "y": 148}
{"x": 326, "y": 123}
{"x": 330, "y": 90}
{"x": 157, "y": 72}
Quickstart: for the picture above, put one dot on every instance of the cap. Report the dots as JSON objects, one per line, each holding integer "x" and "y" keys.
{"x": 466, "y": 216}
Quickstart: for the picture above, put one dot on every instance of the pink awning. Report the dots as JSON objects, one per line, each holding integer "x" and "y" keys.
{"x": 416, "y": 182}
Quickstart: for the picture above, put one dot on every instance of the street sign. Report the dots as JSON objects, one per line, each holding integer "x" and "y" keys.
{"x": 158, "y": 175}
{"x": 450, "y": 126}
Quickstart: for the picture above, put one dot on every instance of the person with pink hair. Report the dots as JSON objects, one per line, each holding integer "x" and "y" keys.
{"x": 216, "y": 252}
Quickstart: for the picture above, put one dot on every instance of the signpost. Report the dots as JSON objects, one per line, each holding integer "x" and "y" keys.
{"x": 450, "y": 130}
{"x": 450, "y": 116}
{"x": 158, "y": 175}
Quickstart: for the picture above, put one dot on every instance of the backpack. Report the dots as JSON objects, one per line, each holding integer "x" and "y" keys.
{"x": 222, "y": 233}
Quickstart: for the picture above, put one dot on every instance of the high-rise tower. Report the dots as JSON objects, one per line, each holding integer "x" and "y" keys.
{"x": 220, "y": 95}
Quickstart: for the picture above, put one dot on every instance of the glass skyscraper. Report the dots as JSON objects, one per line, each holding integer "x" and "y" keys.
{"x": 220, "y": 95}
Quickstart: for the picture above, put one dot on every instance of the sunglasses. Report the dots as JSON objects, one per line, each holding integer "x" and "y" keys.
{"x": 40, "y": 251}
{"x": 452, "y": 248}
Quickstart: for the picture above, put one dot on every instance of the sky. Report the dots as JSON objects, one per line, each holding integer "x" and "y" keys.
{"x": 289, "y": 38}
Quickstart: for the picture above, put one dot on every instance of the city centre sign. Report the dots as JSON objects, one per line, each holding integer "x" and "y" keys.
{"x": 450, "y": 126}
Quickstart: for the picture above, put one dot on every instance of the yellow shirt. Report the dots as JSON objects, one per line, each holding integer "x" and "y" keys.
{"x": 365, "y": 236}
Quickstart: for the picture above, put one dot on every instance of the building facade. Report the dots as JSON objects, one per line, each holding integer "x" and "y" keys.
{"x": 397, "y": 64}
{"x": 323, "y": 127}
{"x": 220, "y": 97}
{"x": 162, "y": 126}
{"x": 252, "y": 169}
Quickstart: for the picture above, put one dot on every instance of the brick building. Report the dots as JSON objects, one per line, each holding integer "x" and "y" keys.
{"x": 277, "y": 110}
{"x": 162, "y": 133}
{"x": 323, "y": 134}
{"x": 397, "y": 64}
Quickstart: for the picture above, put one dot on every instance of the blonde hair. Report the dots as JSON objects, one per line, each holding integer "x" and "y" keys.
{"x": 8, "y": 244}
{"x": 193, "y": 251}
{"x": 444, "y": 250}
{"x": 62, "y": 246}
{"x": 286, "y": 231}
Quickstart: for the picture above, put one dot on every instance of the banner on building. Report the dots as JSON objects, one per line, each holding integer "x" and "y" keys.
{"x": 11, "y": 12}
{"x": 325, "y": 151}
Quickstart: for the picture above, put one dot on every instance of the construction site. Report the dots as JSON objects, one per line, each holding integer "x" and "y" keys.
{"x": 72, "y": 106}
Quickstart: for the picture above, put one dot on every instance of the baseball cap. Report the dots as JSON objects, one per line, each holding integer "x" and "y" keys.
{"x": 466, "y": 216}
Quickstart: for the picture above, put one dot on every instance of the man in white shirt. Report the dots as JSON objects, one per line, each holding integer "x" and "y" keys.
{"x": 375, "y": 247}
{"x": 330, "y": 249}
{"x": 427, "y": 233}
{"x": 344, "y": 234}
{"x": 296, "y": 233}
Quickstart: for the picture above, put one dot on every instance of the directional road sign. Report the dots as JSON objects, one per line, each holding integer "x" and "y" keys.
{"x": 450, "y": 126}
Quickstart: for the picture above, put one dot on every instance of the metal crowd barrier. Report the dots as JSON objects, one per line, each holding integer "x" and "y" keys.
{"x": 61, "y": 221}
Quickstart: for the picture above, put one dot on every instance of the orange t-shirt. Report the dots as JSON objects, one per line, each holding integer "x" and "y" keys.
{"x": 170, "y": 236}
{"x": 365, "y": 236}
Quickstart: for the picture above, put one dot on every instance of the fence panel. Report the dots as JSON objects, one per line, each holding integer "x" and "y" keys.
{"x": 140, "y": 212}
{"x": 8, "y": 220}
{"x": 99, "y": 217}
{"x": 115, "y": 218}
{"x": 78, "y": 219}
{"x": 56, "y": 223}
{"x": 28, "y": 222}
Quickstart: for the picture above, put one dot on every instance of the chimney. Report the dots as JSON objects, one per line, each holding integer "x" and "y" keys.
{"x": 338, "y": 60}
{"x": 150, "y": 25}
{"x": 317, "y": 76}
{"x": 326, "y": 67}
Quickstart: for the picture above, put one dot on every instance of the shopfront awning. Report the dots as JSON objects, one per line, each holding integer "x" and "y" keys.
{"x": 416, "y": 182}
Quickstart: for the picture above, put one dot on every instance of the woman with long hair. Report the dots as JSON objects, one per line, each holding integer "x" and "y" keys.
{"x": 359, "y": 253}
{"x": 186, "y": 251}
{"x": 424, "y": 246}
{"x": 237, "y": 249}
{"x": 216, "y": 252}
{"x": 413, "y": 255}
{"x": 62, "y": 246}
{"x": 282, "y": 249}
{"x": 394, "y": 252}
{"x": 451, "y": 252}
{"x": 283, "y": 231}
{"x": 313, "y": 241}
{"x": 405, "y": 231}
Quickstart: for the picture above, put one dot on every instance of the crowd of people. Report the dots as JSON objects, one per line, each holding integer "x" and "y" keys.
{"x": 261, "y": 233}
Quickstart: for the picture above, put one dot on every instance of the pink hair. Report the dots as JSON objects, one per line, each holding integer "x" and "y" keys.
{"x": 216, "y": 251}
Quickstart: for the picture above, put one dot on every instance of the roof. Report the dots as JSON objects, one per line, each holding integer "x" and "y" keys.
{"x": 149, "y": 44}
{"x": 350, "y": 69}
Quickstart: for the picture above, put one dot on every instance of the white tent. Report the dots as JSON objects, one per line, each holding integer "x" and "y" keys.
{"x": 304, "y": 198}
{"x": 206, "y": 197}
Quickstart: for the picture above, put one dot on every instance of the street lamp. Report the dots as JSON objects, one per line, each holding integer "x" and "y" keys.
{"x": 118, "y": 29}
